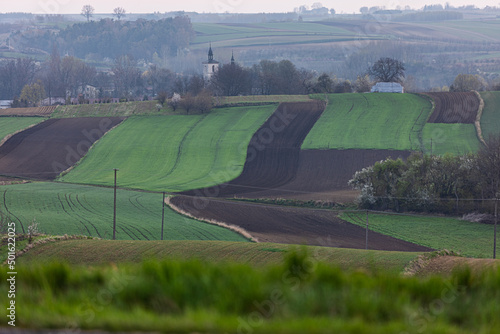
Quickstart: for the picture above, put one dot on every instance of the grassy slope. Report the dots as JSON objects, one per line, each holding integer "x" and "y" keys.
{"x": 93, "y": 252}
{"x": 370, "y": 121}
{"x": 173, "y": 153}
{"x": 9, "y": 125}
{"x": 450, "y": 138}
{"x": 490, "y": 121}
{"x": 469, "y": 239}
{"x": 73, "y": 209}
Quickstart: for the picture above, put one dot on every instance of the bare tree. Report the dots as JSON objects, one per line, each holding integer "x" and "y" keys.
{"x": 231, "y": 80}
{"x": 88, "y": 12}
{"x": 119, "y": 12}
{"x": 388, "y": 70}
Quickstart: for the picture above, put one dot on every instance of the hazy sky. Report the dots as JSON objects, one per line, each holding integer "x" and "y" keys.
{"x": 240, "y": 6}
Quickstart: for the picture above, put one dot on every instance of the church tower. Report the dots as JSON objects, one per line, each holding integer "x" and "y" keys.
{"x": 211, "y": 66}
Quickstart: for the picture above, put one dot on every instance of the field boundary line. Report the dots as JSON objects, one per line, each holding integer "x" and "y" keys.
{"x": 477, "y": 123}
{"x": 234, "y": 228}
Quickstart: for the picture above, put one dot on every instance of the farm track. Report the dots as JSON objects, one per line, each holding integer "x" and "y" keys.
{"x": 9, "y": 212}
{"x": 45, "y": 150}
{"x": 454, "y": 107}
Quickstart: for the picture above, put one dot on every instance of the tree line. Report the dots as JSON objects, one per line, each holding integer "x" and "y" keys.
{"x": 66, "y": 77}
{"x": 430, "y": 183}
{"x": 109, "y": 38}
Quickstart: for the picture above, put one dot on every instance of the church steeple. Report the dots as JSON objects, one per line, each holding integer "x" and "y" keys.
{"x": 232, "y": 57}
{"x": 210, "y": 54}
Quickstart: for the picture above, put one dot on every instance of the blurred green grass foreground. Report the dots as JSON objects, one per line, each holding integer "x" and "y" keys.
{"x": 300, "y": 295}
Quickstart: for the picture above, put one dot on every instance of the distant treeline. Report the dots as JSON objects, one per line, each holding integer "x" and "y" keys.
{"x": 111, "y": 39}
{"x": 430, "y": 16}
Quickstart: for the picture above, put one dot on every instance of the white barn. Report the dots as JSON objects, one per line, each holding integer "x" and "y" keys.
{"x": 387, "y": 87}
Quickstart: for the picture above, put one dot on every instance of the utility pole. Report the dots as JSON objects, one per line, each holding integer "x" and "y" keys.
{"x": 495, "y": 228}
{"x": 114, "y": 209}
{"x": 162, "y": 214}
{"x": 366, "y": 241}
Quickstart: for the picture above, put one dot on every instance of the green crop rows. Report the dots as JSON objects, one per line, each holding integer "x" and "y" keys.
{"x": 173, "y": 153}
{"x": 83, "y": 210}
{"x": 490, "y": 121}
{"x": 9, "y": 125}
{"x": 370, "y": 121}
{"x": 450, "y": 138}
{"x": 469, "y": 239}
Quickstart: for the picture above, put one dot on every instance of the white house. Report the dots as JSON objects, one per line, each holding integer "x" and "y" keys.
{"x": 387, "y": 87}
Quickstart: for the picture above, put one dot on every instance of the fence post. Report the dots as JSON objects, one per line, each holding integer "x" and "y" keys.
{"x": 495, "y": 228}
{"x": 366, "y": 241}
{"x": 114, "y": 209}
{"x": 162, "y": 214}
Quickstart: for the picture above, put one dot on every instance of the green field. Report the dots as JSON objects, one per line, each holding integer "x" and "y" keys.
{"x": 95, "y": 252}
{"x": 300, "y": 295}
{"x": 276, "y": 33}
{"x": 249, "y": 99}
{"x": 9, "y": 125}
{"x": 173, "y": 153}
{"x": 450, "y": 138}
{"x": 370, "y": 121}
{"x": 83, "y": 210}
{"x": 111, "y": 109}
{"x": 490, "y": 121}
{"x": 469, "y": 239}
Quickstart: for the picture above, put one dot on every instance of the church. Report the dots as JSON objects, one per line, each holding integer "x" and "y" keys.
{"x": 211, "y": 66}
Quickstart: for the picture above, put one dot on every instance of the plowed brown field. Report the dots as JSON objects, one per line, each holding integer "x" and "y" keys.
{"x": 273, "y": 153}
{"x": 47, "y": 149}
{"x": 323, "y": 174}
{"x": 276, "y": 167}
{"x": 291, "y": 225}
{"x": 37, "y": 111}
{"x": 454, "y": 107}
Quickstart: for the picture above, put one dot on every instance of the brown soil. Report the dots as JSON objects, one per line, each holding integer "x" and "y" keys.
{"x": 50, "y": 147}
{"x": 38, "y": 111}
{"x": 454, "y": 107}
{"x": 273, "y": 153}
{"x": 323, "y": 174}
{"x": 290, "y": 225}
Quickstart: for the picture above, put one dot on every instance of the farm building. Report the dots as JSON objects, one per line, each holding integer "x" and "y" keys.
{"x": 5, "y": 104}
{"x": 387, "y": 87}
